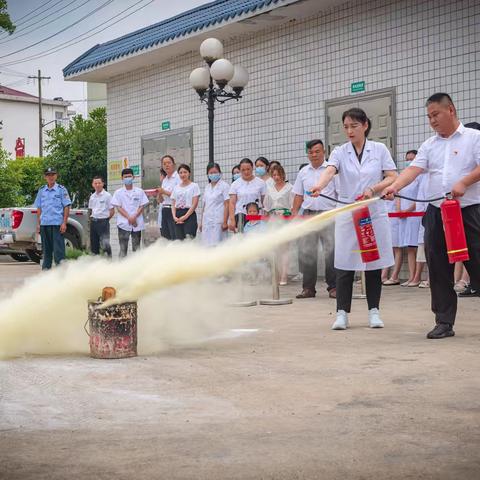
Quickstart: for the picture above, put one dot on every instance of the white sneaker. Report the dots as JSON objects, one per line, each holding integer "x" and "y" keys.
{"x": 374, "y": 319}
{"x": 298, "y": 277}
{"x": 341, "y": 323}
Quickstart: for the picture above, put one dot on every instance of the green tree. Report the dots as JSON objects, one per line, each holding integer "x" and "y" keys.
{"x": 5, "y": 22}
{"x": 29, "y": 172}
{"x": 10, "y": 191}
{"x": 79, "y": 152}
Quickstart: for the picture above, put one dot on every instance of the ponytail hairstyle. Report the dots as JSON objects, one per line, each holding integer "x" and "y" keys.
{"x": 360, "y": 116}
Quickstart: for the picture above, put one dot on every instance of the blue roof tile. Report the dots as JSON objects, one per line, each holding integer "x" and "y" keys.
{"x": 178, "y": 26}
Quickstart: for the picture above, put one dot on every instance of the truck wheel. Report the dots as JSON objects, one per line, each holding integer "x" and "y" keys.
{"x": 20, "y": 257}
{"x": 34, "y": 255}
{"x": 71, "y": 240}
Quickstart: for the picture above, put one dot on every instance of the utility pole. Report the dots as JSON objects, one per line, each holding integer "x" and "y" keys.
{"x": 39, "y": 78}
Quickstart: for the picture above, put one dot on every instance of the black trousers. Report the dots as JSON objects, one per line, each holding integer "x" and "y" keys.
{"x": 168, "y": 225}
{"x": 123, "y": 237}
{"x": 441, "y": 272}
{"x": 373, "y": 287}
{"x": 308, "y": 256}
{"x": 53, "y": 245}
{"x": 188, "y": 228}
{"x": 100, "y": 236}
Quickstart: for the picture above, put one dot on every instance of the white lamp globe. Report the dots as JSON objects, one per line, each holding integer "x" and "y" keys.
{"x": 211, "y": 49}
{"x": 239, "y": 80}
{"x": 200, "y": 79}
{"x": 222, "y": 72}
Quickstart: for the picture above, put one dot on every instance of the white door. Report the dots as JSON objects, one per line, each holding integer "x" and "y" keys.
{"x": 378, "y": 108}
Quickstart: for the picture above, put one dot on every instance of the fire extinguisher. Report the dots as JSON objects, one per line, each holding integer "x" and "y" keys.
{"x": 454, "y": 232}
{"x": 367, "y": 243}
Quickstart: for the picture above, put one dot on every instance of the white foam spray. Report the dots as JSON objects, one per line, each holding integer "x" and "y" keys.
{"x": 47, "y": 314}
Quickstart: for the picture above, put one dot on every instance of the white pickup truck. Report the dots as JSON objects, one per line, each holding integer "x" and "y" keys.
{"x": 18, "y": 232}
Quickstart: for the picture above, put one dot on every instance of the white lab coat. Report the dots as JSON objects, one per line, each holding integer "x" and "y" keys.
{"x": 409, "y": 226}
{"x": 353, "y": 179}
{"x": 394, "y": 223}
{"x": 214, "y": 199}
{"x": 422, "y": 206}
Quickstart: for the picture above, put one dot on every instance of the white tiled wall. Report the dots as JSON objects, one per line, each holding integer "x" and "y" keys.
{"x": 417, "y": 46}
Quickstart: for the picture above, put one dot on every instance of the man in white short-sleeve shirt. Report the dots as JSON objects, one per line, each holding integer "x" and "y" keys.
{"x": 307, "y": 178}
{"x": 101, "y": 211}
{"x": 451, "y": 160}
{"x": 129, "y": 201}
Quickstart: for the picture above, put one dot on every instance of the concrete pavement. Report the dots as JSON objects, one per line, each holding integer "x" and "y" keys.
{"x": 293, "y": 400}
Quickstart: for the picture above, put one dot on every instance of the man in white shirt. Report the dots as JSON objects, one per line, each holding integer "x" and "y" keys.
{"x": 101, "y": 211}
{"x": 451, "y": 159}
{"x": 129, "y": 201}
{"x": 307, "y": 178}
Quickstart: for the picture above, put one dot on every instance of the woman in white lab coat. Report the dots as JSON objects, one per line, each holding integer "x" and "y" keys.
{"x": 364, "y": 168}
{"x": 214, "y": 220}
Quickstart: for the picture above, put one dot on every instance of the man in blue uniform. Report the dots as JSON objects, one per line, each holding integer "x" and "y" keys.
{"x": 53, "y": 206}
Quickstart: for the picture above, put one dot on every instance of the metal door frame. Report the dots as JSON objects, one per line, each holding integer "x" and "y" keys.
{"x": 165, "y": 133}
{"x": 382, "y": 93}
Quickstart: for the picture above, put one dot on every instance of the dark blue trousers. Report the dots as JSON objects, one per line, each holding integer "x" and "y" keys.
{"x": 53, "y": 245}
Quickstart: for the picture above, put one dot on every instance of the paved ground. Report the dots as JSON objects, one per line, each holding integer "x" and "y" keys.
{"x": 291, "y": 401}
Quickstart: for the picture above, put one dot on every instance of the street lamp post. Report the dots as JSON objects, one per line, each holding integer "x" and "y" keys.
{"x": 211, "y": 83}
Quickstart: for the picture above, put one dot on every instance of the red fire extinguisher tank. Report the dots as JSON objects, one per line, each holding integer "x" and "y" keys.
{"x": 367, "y": 243}
{"x": 454, "y": 232}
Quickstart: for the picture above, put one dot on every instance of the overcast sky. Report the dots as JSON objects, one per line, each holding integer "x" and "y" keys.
{"x": 37, "y": 20}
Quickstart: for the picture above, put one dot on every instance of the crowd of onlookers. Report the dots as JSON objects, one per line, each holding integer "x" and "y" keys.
{"x": 239, "y": 201}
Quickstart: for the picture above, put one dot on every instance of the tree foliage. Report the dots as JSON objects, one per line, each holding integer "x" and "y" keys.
{"x": 20, "y": 179}
{"x": 5, "y": 22}
{"x": 79, "y": 152}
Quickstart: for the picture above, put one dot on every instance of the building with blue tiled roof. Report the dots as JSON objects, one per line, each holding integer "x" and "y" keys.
{"x": 308, "y": 61}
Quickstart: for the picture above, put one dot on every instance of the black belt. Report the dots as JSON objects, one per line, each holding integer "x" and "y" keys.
{"x": 313, "y": 212}
{"x": 99, "y": 219}
{"x": 166, "y": 206}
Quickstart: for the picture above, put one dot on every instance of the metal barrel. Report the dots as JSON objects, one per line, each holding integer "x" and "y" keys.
{"x": 112, "y": 330}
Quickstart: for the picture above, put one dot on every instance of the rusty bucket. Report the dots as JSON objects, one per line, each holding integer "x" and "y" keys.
{"x": 113, "y": 329}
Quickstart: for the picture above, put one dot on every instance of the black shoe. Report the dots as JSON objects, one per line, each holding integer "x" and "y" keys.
{"x": 441, "y": 330}
{"x": 307, "y": 293}
{"x": 469, "y": 292}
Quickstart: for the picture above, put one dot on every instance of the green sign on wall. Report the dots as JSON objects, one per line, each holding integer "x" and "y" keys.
{"x": 136, "y": 169}
{"x": 166, "y": 125}
{"x": 357, "y": 87}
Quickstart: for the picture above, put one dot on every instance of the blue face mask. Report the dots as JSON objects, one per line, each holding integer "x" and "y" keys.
{"x": 127, "y": 181}
{"x": 236, "y": 176}
{"x": 260, "y": 171}
{"x": 214, "y": 177}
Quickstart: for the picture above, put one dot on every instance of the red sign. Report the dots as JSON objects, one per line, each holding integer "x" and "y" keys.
{"x": 20, "y": 147}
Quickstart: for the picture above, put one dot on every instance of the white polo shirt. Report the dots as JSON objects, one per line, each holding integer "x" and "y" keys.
{"x": 448, "y": 160}
{"x": 247, "y": 192}
{"x": 168, "y": 184}
{"x": 100, "y": 204}
{"x": 307, "y": 178}
{"x": 130, "y": 201}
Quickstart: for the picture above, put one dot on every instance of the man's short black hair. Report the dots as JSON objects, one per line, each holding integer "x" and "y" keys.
{"x": 412, "y": 151}
{"x": 474, "y": 125}
{"x": 314, "y": 142}
{"x": 127, "y": 171}
{"x": 98, "y": 177}
{"x": 440, "y": 98}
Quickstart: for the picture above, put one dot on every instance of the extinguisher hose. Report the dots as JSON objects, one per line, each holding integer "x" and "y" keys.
{"x": 382, "y": 198}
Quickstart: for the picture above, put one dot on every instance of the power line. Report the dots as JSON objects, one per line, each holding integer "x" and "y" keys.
{"x": 29, "y": 29}
{"x": 17, "y": 22}
{"x": 60, "y": 31}
{"x": 74, "y": 40}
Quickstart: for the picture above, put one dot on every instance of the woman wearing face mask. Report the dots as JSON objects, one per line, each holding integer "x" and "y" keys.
{"x": 185, "y": 198}
{"x": 214, "y": 221}
{"x": 246, "y": 189}
{"x": 165, "y": 191}
{"x": 236, "y": 173}
{"x": 261, "y": 170}
{"x": 364, "y": 169}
